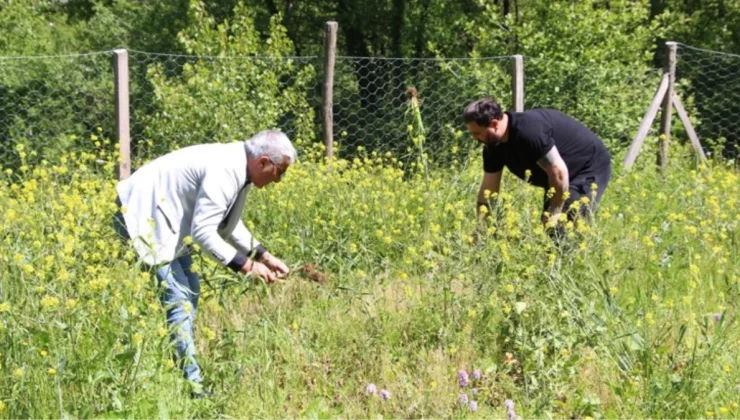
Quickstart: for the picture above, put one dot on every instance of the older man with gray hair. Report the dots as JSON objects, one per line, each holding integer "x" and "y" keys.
{"x": 197, "y": 195}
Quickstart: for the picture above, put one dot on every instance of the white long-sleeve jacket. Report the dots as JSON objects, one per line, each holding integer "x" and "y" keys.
{"x": 197, "y": 191}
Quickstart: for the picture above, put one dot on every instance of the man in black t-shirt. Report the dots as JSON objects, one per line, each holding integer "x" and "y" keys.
{"x": 546, "y": 148}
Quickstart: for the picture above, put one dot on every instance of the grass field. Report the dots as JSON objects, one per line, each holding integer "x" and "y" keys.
{"x": 632, "y": 317}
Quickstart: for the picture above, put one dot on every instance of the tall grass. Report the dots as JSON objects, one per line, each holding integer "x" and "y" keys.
{"x": 634, "y": 317}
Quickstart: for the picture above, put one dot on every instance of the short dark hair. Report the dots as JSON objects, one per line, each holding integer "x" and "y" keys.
{"x": 483, "y": 111}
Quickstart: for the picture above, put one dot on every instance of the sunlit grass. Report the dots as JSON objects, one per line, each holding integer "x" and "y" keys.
{"x": 633, "y": 317}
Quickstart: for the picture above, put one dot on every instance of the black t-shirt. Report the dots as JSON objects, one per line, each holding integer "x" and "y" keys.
{"x": 532, "y": 134}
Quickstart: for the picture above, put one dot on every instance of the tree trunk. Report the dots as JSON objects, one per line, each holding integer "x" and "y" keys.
{"x": 356, "y": 43}
{"x": 421, "y": 29}
{"x": 656, "y": 8}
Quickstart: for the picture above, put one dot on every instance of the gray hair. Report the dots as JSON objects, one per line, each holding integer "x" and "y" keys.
{"x": 272, "y": 143}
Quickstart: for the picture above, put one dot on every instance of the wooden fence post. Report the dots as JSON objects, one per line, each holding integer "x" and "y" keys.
{"x": 689, "y": 128}
{"x": 517, "y": 83}
{"x": 330, "y": 50}
{"x": 647, "y": 120}
{"x": 667, "y": 112}
{"x": 123, "y": 135}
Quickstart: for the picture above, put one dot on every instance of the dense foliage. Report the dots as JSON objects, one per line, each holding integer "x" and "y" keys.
{"x": 593, "y": 59}
{"x": 420, "y": 310}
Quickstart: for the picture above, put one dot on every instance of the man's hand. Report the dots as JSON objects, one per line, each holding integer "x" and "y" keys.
{"x": 275, "y": 264}
{"x": 557, "y": 175}
{"x": 489, "y": 189}
{"x": 259, "y": 269}
{"x": 551, "y": 220}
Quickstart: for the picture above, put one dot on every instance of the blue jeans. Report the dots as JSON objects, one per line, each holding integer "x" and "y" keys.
{"x": 180, "y": 298}
{"x": 181, "y": 289}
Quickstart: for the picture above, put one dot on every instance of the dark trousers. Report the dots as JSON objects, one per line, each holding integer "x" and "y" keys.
{"x": 582, "y": 186}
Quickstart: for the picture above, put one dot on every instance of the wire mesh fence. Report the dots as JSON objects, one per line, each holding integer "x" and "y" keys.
{"x": 53, "y": 105}
{"x": 179, "y": 100}
{"x": 610, "y": 99}
{"x": 376, "y": 102}
{"x": 709, "y": 87}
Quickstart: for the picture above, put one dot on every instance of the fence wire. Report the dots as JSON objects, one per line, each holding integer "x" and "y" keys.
{"x": 53, "y": 105}
{"x": 179, "y": 100}
{"x": 709, "y": 87}
{"x": 57, "y": 104}
{"x": 382, "y": 104}
{"x": 610, "y": 100}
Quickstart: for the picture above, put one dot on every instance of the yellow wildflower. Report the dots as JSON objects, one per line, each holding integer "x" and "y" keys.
{"x": 49, "y": 302}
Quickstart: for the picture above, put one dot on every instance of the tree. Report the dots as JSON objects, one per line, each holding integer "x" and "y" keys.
{"x": 236, "y": 85}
